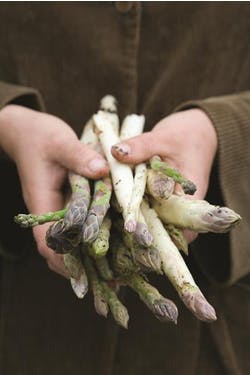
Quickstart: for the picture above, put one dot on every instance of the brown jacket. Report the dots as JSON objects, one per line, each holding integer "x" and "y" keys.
{"x": 155, "y": 58}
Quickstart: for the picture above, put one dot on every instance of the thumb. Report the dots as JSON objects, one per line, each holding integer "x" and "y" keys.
{"x": 80, "y": 158}
{"x": 138, "y": 149}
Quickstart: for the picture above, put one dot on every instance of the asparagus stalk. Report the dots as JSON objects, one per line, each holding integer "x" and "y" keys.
{"x": 196, "y": 215}
{"x": 163, "y": 309}
{"x": 142, "y": 234}
{"x": 78, "y": 204}
{"x": 136, "y": 198}
{"x": 159, "y": 185}
{"x": 73, "y": 264}
{"x": 176, "y": 270}
{"x": 60, "y": 239}
{"x": 121, "y": 174}
{"x": 158, "y": 165}
{"x": 31, "y": 220}
{"x": 100, "y": 303}
{"x": 177, "y": 236}
{"x": 119, "y": 311}
{"x": 101, "y": 245}
{"x": 132, "y": 126}
{"x": 108, "y": 108}
{"x": 103, "y": 268}
{"x": 122, "y": 259}
{"x": 147, "y": 258}
{"x": 98, "y": 209}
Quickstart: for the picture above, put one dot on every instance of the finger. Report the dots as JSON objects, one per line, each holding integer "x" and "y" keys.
{"x": 140, "y": 148}
{"x": 190, "y": 235}
{"x": 80, "y": 158}
{"x": 41, "y": 201}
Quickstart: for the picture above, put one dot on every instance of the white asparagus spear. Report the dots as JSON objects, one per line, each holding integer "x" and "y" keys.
{"x": 176, "y": 270}
{"x": 108, "y": 107}
{"x": 132, "y": 126}
{"x": 138, "y": 191}
{"x": 196, "y": 215}
{"x": 121, "y": 174}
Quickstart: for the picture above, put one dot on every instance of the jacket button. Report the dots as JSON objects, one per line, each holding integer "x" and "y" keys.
{"x": 123, "y": 6}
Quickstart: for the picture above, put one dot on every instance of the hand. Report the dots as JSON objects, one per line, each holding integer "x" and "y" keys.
{"x": 44, "y": 148}
{"x": 186, "y": 140}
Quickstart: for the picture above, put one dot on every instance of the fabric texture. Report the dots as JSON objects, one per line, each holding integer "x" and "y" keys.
{"x": 153, "y": 57}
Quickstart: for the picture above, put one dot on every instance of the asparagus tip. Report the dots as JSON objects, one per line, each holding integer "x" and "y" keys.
{"x": 188, "y": 187}
{"x": 142, "y": 235}
{"x": 197, "y": 303}
{"x": 80, "y": 286}
{"x": 165, "y": 310}
{"x": 130, "y": 226}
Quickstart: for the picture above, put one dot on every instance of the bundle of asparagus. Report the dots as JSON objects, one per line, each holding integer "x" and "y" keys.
{"x": 108, "y": 242}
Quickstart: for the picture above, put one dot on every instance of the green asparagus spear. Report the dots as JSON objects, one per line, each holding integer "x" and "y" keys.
{"x": 101, "y": 245}
{"x": 59, "y": 239}
{"x": 100, "y": 303}
{"x": 119, "y": 311}
{"x": 163, "y": 308}
{"x": 31, "y": 220}
{"x": 158, "y": 165}
{"x": 103, "y": 268}
{"x": 98, "y": 209}
{"x": 78, "y": 204}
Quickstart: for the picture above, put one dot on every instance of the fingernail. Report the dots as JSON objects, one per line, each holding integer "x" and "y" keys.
{"x": 122, "y": 148}
{"x": 97, "y": 165}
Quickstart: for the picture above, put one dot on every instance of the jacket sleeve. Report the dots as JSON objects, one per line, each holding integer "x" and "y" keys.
{"x": 31, "y": 98}
{"x": 26, "y": 96}
{"x": 230, "y": 116}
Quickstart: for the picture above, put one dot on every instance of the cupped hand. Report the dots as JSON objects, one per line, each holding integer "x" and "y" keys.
{"x": 185, "y": 140}
{"x": 44, "y": 148}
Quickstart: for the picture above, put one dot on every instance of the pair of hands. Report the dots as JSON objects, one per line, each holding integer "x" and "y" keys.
{"x": 44, "y": 148}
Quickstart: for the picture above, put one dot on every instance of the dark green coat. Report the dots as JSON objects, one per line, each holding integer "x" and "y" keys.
{"x": 153, "y": 58}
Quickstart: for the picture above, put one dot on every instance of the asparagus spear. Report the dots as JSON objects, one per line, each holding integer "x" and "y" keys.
{"x": 59, "y": 239}
{"x": 136, "y": 198}
{"x": 162, "y": 308}
{"x": 176, "y": 270}
{"x": 101, "y": 245}
{"x": 78, "y": 204}
{"x": 121, "y": 174}
{"x": 158, "y": 165}
{"x": 142, "y": 234}
{"x": 147, "y": 258}
{"x": 31, "y": 220}
{"x": 108, "y": 109}
{"x": 159, "y": 185}
{"x": 119, "y": 311}
{"x": 132, "y": 126}
{"x": 98, "y": 209}
{"x": 103, "y": 268}
{"x": 196, "y": 215}
{"x": 100, "y": 303}
{"x": 177, "y": 236}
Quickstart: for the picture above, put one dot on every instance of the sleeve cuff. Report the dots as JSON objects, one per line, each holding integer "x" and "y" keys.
{"x": 21, "y": 95}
